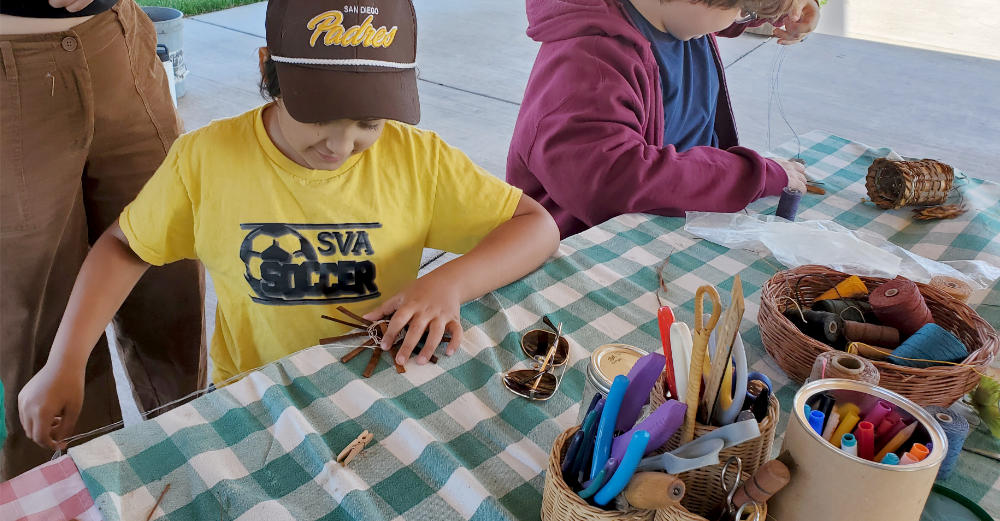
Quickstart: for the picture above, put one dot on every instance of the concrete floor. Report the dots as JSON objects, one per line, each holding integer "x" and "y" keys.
{"x": 474, "y": 60}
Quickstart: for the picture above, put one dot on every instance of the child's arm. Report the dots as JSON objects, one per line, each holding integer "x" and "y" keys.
{"x": 50, "y": 403}
{"x": 432, "y": 303}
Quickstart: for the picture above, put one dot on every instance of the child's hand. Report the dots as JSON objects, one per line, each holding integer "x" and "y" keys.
{"x": 428, "y": 304}
{"x": 796, "y": 173}
{"x": 801, "y": 21}
{"x": 50, "y": 404}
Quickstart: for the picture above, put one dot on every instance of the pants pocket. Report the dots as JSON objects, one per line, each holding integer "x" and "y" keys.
{"x": 13, "y": 188}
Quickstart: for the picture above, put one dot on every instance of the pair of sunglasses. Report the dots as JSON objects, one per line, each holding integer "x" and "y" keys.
{"x": 549, "y": 350}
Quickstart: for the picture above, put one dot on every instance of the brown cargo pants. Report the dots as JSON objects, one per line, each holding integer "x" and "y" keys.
{"x": 85, "y": 120}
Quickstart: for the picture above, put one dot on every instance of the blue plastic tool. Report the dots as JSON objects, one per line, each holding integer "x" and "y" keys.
{"x": 570, "y": 457}
{"x": 621, "y": 477}
{"x": 595, "y": 484}
{"x": 606, "y": 427}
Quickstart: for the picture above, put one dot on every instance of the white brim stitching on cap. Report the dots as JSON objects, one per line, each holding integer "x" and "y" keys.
{"x": 348, "y": 63}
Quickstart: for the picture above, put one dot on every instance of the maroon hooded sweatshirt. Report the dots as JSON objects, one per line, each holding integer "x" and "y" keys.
{"x": 588, "y": 140}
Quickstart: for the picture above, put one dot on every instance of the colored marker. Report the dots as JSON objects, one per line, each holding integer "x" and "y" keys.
{"x": 891, "y": 459}
{"x": 865, "y": 433}
{"x": 831, "y": 425}
{"x": 816, "y": 421}
{"x": 847, "y": 423}
{"x": 919, "y": 451}
{"x": 849, "y": 444}
{"x": 878, "y": 412}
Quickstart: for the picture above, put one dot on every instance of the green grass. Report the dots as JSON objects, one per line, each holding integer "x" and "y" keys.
{"x": 193, "y": 7}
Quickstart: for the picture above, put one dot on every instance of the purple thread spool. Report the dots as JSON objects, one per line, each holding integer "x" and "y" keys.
{"x": 788, "y": 204}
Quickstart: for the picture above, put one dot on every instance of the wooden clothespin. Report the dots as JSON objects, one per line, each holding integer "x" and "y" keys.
{"x": 354, "y": 448}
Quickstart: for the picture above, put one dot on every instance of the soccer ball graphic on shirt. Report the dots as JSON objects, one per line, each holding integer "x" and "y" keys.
{"x": 270, "y": 243}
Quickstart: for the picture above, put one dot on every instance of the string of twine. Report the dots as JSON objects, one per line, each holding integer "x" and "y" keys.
{"x": 852, "y": 349}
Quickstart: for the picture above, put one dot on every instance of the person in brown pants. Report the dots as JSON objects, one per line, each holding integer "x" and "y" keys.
{"x": 86, "y": 120}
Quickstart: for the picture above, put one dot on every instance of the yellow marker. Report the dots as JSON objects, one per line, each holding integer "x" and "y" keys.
{"x": 848, "y": 407}
{"x": 850, "y": 287}
{"x": 897, "y": 441}
{"x": 847, "y": 424}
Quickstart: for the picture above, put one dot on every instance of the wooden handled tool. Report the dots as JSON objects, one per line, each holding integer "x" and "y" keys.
{"x": 769, "y": 479}
{"x": 654, "y": 490}
{"x": 701, "y": 334}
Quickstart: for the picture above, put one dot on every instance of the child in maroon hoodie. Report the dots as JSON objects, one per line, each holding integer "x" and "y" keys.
{"x": 627, "y": 111}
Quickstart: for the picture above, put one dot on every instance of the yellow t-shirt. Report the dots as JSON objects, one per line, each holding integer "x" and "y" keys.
{"x": 285, "y": 244}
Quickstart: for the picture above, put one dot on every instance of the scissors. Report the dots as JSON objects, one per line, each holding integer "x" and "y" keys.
{"x": 699, "y": 353}
{"x": 728, "y": 510}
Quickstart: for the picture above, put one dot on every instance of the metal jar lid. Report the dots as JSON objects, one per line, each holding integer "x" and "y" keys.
{"x": 609, "y": 361}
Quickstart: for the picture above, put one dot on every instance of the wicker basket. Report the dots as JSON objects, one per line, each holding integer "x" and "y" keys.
{"x": 753, "y": 452}
{"x": 940, "y": 385}
{"x": 895, "y": 184}
{"x": 560, "y": 503}
{"x": 704, "y": 492}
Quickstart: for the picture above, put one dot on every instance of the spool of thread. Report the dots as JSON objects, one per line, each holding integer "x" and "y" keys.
{"x": 931, "y": 342}
{"x": 851, "y": 287}
{"x": 821, "y": 325}
{"x": 865, "y": 433}
{"x": 837, "y": 364}
{"x": 769, "y": 479}
{"x": 847, "y": 309}
{"x": 868, "y": 351}
{"x": 881, "y": 336}
{"x": 849, "y": 444}
{"x": 956, "y": 429}
{"x": 881, "y": 409}
{"x": 816, "y": 419}
{"x": 907, "y": 459}
{"x": 955, "y": 288}
{"x": 788, "y": 204}
{"x": 899, "y": 304}
{"x": 890, "y": 459}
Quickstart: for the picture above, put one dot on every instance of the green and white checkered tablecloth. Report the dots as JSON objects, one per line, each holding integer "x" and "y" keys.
{"x": 450, "y": 441}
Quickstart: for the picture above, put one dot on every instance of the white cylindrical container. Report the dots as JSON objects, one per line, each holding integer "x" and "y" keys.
{"x": 829, "y": 485}
{"x": 606, "y": 362}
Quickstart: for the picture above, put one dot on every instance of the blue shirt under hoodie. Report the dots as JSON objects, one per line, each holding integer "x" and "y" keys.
{"x": 690, "y": 83}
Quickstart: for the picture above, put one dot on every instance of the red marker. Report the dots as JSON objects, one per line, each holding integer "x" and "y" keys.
{"x": 665, "y": 317}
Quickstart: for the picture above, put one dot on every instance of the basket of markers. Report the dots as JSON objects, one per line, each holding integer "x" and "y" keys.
{"x": 925, "y": 342}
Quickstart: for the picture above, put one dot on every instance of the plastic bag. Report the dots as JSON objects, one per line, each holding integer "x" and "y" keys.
{"x": 827, "y": 243}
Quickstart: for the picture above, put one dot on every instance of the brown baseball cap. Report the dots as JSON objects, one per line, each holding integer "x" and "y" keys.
{"x": 353, "y": 59}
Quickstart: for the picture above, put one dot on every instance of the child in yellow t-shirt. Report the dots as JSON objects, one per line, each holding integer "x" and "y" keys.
{"x": 324, "y": 197}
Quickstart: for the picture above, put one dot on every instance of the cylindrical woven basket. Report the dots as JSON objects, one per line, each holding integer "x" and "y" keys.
{"x": 895, "y": 184}
{"x": 703, "y": 494}
{"x": 754, "y": 453}
{"x": 560, "y": 503}
{"x": 939, "y": 385}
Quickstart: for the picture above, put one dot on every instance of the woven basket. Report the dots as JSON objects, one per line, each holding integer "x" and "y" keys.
{"x": 895, "y": 184}
{"x": 939, "y": 385}
{"x": 754, "y": 453}
{"x": 703, "y": 493}
{"x": 560, "y": 503}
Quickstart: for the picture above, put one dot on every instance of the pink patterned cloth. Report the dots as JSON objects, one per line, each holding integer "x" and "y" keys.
{"x": 50, "y": 492}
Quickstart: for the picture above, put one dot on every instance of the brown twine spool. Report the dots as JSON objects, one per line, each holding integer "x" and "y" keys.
{"x": 847, "y": 309}
{"x": 899, "y": 304}
{"x": 956, "y": 288}
{"x": 837, "y": 364}
{"x": 882, "y": 336}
